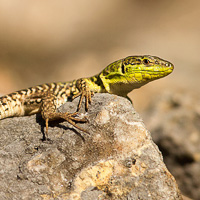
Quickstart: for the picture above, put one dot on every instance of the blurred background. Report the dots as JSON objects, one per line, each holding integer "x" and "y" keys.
{"x": 48, "y": 41}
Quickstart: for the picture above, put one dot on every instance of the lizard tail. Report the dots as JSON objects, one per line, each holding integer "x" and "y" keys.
{"x": 10, "y": 107}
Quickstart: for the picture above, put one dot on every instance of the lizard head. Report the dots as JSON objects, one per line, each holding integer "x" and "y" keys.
{"x": 143, "y": 69}
{"x": 133, "y": 72}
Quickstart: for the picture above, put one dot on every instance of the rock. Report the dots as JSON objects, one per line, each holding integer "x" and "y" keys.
{"x": 116, "y": 160}
{"x": 174, "y": 121}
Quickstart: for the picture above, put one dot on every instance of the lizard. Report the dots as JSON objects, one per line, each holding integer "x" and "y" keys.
{"x": 119, "y": 77}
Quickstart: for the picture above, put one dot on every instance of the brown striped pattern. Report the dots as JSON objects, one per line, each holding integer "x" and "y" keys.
{"x": 28, "y": 101}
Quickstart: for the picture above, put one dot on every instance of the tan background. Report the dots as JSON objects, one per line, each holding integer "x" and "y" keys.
{"x": 47, "y": 41}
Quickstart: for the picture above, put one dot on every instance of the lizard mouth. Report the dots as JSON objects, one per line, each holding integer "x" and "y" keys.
{"x": 166, "y": 69}
{"x": 150, "y": 73}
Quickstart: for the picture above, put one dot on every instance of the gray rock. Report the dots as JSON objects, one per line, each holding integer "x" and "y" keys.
{"x": 116, "y": 160}
{"x": 174, "y": 121}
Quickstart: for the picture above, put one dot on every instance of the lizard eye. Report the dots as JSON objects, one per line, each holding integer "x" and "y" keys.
{"x": 123, "y": 69}
{"x": 146, "y": 61}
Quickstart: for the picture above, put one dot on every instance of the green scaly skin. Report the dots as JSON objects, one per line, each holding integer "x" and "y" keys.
{"x": 120, "y": 78}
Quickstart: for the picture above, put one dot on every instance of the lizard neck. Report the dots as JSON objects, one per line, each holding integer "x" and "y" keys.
{"x": 100, "y": 84}
{"x": 95, "y": 83}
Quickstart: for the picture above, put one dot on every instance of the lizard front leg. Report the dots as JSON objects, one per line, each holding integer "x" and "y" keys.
{"x": 48, "y": 112}
{"x": 84, "y": 91}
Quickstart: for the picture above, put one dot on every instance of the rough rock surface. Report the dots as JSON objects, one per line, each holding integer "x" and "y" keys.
{"x": 117, "y": 160}
{"x": 174, "y": 121}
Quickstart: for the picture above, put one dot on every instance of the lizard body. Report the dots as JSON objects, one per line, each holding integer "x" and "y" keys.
{"x": 120, "y": 78}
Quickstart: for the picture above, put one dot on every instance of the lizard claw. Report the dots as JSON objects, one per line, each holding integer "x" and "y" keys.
{"x": 69, "y": 117}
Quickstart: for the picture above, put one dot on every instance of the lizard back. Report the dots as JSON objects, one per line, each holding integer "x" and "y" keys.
{"x": 28, "y": 101}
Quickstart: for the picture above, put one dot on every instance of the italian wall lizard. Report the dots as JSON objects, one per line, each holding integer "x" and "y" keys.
{"x": 120, "y": 78}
